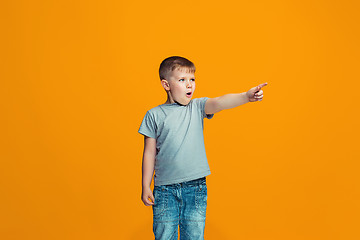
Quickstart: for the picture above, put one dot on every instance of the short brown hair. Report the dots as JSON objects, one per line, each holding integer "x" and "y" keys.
{"x": 175, "y": 62}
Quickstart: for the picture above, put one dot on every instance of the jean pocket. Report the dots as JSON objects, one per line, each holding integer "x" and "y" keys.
{"x": 161, "y": 198}
{"x": 201, "y": 199}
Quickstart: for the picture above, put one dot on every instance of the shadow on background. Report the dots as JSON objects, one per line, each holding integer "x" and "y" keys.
{"x": 144, "y": 231}
{"x": 212, "y": 231}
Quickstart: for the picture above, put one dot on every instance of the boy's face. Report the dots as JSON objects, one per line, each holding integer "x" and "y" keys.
{"x": 180, "y": 86}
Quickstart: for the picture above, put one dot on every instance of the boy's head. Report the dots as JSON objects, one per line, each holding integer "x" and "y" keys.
{"x": 178, "y": 79}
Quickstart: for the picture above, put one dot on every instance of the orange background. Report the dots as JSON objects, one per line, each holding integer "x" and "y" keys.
{"x": 77, "y": 77}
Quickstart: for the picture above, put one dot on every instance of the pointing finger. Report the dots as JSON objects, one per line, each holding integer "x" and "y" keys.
{"x": 263, "y": 85}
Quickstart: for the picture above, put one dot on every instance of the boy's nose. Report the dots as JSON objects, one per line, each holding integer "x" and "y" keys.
{"x": 189, "y": 85}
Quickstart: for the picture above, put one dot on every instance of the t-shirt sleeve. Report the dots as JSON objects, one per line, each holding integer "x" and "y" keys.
{"x": 202, "y": 102}
{"x": 148, "y": 126}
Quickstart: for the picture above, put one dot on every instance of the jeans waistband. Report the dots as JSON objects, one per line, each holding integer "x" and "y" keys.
{"x": 195, "y": 182}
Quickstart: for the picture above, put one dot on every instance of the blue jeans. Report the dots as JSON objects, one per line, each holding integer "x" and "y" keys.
{"x": 182, "y": 204}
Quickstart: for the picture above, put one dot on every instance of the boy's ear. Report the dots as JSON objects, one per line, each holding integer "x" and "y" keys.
{"x": 165, "y": 84}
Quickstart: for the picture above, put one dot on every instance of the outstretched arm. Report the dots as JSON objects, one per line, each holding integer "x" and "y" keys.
{"x": 148, "y": 165}
{"x": 214, "y": 105}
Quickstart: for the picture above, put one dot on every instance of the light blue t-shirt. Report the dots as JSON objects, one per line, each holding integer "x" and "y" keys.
{"x": 180, "y": 148}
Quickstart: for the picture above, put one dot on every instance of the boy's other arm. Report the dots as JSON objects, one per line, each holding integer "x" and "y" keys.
{"x": 214, "y": 105}
{"x": 148, "y": 165}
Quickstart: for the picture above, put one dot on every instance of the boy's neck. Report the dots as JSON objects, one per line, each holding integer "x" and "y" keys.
{"x": 168, "y": 101}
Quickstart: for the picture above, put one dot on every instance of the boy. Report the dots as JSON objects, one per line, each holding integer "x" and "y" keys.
{"x": 174, "y": 148}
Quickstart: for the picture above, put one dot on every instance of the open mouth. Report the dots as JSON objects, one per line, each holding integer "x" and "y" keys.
{"x": 188, "y": 94}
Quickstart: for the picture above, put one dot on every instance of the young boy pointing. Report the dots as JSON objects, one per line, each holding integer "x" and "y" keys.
{"x": 174, "y": 148}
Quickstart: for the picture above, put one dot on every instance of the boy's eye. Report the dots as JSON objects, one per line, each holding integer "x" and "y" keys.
{"x": 193, "y": 79}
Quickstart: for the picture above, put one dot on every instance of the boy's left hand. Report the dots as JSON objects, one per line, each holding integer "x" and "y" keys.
{"x": 255, "y": 93}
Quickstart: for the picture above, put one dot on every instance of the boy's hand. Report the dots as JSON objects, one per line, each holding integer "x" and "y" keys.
{"x": 146, "y": 194}
{"x": 255, "y": 93}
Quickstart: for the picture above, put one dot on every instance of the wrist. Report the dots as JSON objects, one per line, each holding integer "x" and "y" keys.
{"x": 246, "y": 97}
{"x": 146, "y": 185}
